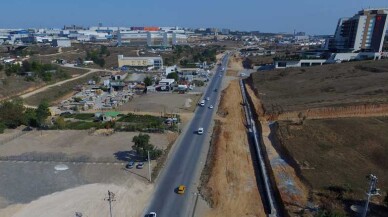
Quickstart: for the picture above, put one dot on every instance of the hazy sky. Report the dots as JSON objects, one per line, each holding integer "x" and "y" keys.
{"x": 311, "y": 16}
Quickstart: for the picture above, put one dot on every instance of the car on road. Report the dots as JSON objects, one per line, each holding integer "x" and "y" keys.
{"x": 181, "y": 189}
{"x": 140, "y": 165}
{"x": 151, "y": 214}
{"x": 211, "y": 107}
{"x": 215, "y": 90}
{"x": 130, "y": 165}
{"x": 207, "y": 98}
{"x": 200, "y": 131}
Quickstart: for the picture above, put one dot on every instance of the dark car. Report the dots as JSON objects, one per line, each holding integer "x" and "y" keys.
{"x": 130, "y": 165}
{"x": 140, "y": 165}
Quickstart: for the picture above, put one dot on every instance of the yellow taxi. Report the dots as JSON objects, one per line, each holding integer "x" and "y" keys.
{"x": 181, "y": 189}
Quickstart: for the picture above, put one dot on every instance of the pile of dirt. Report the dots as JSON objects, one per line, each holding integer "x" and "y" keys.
{"x": 232, "y": 184}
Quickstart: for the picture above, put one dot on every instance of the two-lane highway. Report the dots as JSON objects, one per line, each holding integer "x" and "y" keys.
{"x": 182, "y": 167}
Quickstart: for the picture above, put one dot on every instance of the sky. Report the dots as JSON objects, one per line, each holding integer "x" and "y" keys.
{"x": 311, "y": 16}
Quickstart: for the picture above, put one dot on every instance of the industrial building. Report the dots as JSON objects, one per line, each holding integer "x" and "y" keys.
{"x": 141, "y": 62}
{"x": 61, "y": 42}
{"x": 364, "y": 31}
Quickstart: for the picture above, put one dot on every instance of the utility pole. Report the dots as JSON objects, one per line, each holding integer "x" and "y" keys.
{"x": 373, "y": 191}
{"x": 149, "y": 166}
{"x": 110, "y": 199}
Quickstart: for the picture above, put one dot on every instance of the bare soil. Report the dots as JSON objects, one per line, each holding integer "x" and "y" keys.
{"x": 293, "y": 192}
{"x": 234, "y": 65}
{"x": 232, "y": 184}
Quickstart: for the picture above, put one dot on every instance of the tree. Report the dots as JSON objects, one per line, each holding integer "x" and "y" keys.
{"x": 60, "y": 123}
{"x": 11, "y": 113}
{"x": 26, "y": 66}
{"x": 173, "y": 75}
{"x": 29, "y": 117}
{"x": 142, "y": 146}
{"x": 42, "y": 112}
{"x": 147, "y": 81}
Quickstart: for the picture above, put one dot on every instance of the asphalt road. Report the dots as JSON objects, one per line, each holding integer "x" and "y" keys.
{"x": 182, "y": 167}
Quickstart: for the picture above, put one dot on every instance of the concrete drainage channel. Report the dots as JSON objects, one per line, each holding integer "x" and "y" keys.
{"x": 273, "y": 208}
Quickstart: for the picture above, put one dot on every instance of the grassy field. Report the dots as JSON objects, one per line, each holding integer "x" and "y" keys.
{"x": 334, "y": 157}
{"x": 322, "y": 86}
{"x": 54, "y": 93}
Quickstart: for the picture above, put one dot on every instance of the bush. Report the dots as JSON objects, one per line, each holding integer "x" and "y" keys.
{"x": 2, "y": 127}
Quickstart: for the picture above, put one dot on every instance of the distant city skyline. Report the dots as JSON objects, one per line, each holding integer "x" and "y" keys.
{"x": 249, "y": 15}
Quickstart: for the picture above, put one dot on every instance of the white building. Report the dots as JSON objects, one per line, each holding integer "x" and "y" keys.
{"x": 61, "y": 42}
{"x": 144, "y": 62}
{"x": 364, "y": 31}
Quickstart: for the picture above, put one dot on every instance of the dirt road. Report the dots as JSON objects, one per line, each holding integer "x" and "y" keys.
{"x": 23, "y": 96}
{"x": 232, "y": 183}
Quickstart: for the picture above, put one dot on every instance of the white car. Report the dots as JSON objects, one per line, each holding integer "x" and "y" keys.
{"x": 211, "y": 107}
{"x": 152, "y": 214}
{"x": 207, "y": 98}
{"x": 200, "y": 131}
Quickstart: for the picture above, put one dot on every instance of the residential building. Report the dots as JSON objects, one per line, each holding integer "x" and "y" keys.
{"x": 364, "y": 31}
{"x": 143, "y": 62}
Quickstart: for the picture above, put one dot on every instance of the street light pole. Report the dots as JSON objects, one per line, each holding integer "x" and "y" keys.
{"x": 149, "y": 167}
{"x": 373, "y": 191}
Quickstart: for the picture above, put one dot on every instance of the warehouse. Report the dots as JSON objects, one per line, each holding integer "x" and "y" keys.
{"x": 140, "y": 62}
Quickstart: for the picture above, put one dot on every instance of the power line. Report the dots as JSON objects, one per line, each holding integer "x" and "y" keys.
{"x": 110, "y": 199}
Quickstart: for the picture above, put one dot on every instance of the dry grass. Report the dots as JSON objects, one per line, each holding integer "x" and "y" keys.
{"x": 338, "y": 154}
{"x": 323, "y": 86}
{"x": 232, "y": 180}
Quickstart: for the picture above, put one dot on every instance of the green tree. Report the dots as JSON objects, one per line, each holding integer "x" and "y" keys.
{"x": 142, "y": 146}
{"x": 173, "y": 75}
{"x": 147, "y": 81}
{"x": 42, "y": 112}
{"x": 2, "y": 127}
{"x": 26, "y": 66}
{"x": 11, "y": 113}
{"x": 29, "y": 117}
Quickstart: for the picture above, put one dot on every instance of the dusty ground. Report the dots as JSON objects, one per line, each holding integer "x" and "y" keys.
{"x": 232, "y": 183}
{"x": 75, "y": 143}
{"x": 293, "y": 192}
{"x": 96, "y": 165}
{"x": 162, "y": 102}
{"x": 79, "y": 189}
{"x": 355, "y": 83}
{"x": 234, "y": 65}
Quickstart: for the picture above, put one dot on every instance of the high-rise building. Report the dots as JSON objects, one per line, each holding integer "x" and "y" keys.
{"x": 364, "y": 31}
